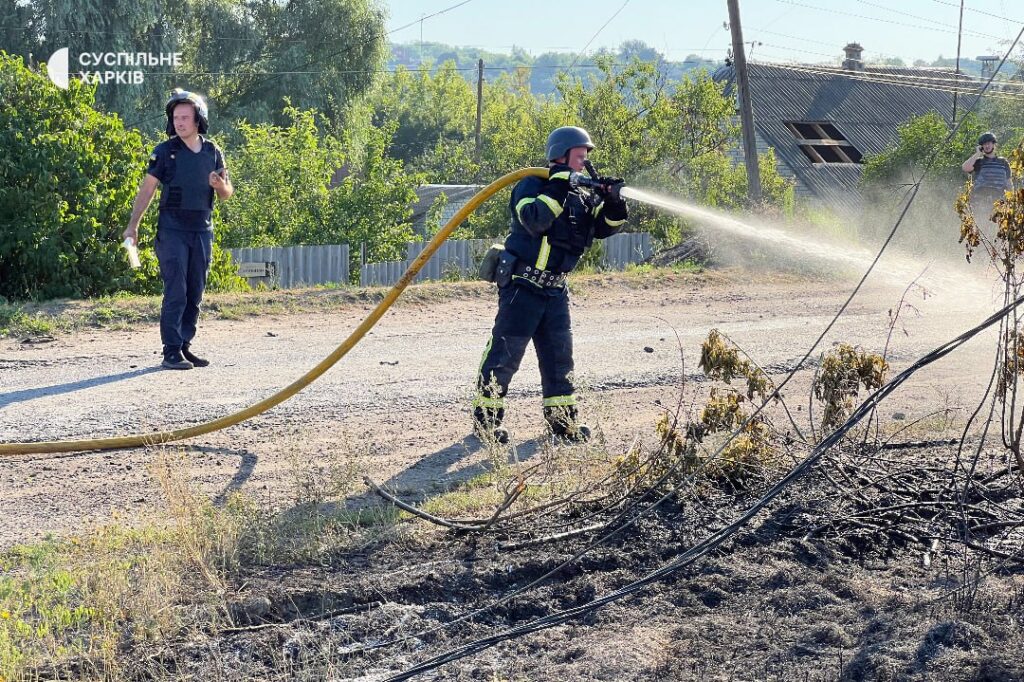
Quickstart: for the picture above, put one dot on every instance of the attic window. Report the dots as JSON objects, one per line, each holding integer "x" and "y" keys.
{"x": 823, "y": 143}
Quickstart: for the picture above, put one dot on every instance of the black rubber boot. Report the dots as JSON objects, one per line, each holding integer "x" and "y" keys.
{"x": 193, "y": 358}
{"x": 487, "y": 425}
{"x": 175, "y": 360}
{"x": 564, "y": 424}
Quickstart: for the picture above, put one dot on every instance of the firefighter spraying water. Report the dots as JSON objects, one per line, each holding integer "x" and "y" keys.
{"x": 553, "y": 221}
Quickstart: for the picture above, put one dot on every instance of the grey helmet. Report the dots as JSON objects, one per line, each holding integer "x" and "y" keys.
{"x": 198, "y": 103}
{"x": 986, "y": 137}
{"x": 561, "y": 140}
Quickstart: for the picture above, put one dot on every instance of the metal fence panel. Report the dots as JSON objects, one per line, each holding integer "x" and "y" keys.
{"x": 299, "y": 265}
{"x": 462, "y": 257}
{"x": 310, "y": 265}
{"x": 622, "y": 249}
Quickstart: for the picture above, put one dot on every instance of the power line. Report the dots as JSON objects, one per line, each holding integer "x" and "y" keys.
{"x": 920, "y": 18}
{"x": 878, "y": 19}
{"x": 940, "y": 76}
{"x": 511, "y": 67}
{"x": 165, "y": 33}
{"x": 777, "y": 391}
{"x": 885, "y": 81}
{"x": 816, "y": 42}
{"x": 256, "y": 39}
{"x": 979, "y": 11}
{"x": 718, "y": 538}
{"x": 334, "y": 55}
{"x": 594, "y": 37}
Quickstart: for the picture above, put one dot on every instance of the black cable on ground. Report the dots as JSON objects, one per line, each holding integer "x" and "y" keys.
{"x": 717, "y": 539}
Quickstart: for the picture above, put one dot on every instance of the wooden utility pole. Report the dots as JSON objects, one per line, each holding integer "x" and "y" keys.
{"x": 959, "y": 38}
{"x": 739, "y": 64}
{"x": 479, "y": 103}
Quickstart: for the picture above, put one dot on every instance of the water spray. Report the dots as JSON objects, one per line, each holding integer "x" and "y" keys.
{"x": 896, "y": 268}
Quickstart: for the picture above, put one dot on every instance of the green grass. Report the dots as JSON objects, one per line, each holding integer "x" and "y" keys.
{"x": 69, "y": 600}
{"x": 78, "y": 604}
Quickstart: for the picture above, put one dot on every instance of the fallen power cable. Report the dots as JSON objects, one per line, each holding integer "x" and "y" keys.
{"x": 615, "y": 530}
{"x": 717, "y": 539}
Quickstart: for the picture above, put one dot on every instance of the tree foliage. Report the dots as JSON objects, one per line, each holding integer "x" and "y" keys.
{"x": 67, "y": 179}
{"x": 651, "y": 130}
{"x": 922, "y": 139}
{"x": 540, "y": 71}
{"x": 284, "y": 193}
{"x": 67, "y": 182}
{"x": 246, "y": 55}
{"x": 345, "y": 169}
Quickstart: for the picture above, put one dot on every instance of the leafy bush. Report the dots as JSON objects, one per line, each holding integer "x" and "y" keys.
{"x": 67, "y": 183}
{"x": 843, "y": 371}
{"x": 67, "y": 180}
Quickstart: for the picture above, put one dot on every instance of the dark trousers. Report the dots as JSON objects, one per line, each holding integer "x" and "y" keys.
{"x": 184, "y": 264}
{"x": 983, "y": 201}
{"x": 527, "y": 313}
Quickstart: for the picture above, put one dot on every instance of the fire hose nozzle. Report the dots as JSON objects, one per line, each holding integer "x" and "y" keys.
{"x": 599, "y": 184}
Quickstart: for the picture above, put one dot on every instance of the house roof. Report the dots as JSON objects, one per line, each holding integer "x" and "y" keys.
{"x": 457, "y": 196}
{"x": 865, "y": 110}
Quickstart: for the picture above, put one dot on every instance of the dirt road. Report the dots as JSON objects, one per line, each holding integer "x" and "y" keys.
{"x": 398, "y": 406}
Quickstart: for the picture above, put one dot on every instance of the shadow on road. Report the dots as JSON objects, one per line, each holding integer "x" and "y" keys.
{"x": 420, "y": 481}
{"x": 27, "y": 394}
{"x": 246, "y": 465}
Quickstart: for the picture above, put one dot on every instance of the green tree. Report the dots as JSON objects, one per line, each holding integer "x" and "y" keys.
{"x": 888, "y": 176}
{"x": 372, "y": 204}
{"x": 284, "y": 192}
{"x": 430, "y": 109}
{"x": 322, "y": 54}
{"x": 281, "y": 175}
{"x": 246, "y": 55}
{"x": 918, "y": 140}
{"x": 625, "y": 110}
{"x": 67, "y": 180}
{"x": 648, "y": 129}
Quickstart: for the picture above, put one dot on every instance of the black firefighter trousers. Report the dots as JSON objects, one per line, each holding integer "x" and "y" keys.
{"x": 527, "y": 312}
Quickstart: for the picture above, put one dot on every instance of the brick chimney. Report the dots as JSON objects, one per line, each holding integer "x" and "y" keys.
{"x": 853, "y": 61}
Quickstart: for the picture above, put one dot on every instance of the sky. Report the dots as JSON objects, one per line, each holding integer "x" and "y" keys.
{"x": 786, "y": 30}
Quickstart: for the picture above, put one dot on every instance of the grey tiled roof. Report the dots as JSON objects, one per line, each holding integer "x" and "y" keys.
{"x": 867, "y": 113}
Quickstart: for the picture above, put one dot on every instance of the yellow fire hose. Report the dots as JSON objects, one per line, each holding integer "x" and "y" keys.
{"x": 309, "y": 377}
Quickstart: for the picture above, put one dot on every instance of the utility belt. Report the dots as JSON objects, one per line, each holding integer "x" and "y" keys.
{"x": 542, "y": 278}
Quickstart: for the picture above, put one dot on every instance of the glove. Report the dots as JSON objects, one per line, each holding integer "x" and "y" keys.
{"x": 608, "y": 189}
{"x": 557, "y": 186}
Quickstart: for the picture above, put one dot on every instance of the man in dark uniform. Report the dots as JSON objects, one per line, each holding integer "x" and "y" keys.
{"x": 991, "y": 175}
{"x": 191, "y": 170}
{"x": 553, "y": 222}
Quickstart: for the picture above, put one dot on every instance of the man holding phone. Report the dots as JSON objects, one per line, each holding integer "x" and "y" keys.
{"x": 991, "y": 175}
{"x": 191, "y": 170}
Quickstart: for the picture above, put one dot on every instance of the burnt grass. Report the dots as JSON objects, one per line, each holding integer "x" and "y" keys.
{"x": 769, "y": 604}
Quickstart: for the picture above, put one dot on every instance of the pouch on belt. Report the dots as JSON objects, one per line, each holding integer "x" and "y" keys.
{"x": 489, "y": 264}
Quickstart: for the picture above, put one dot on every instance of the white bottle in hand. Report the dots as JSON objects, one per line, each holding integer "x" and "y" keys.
{"x": 133, "y": 253}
